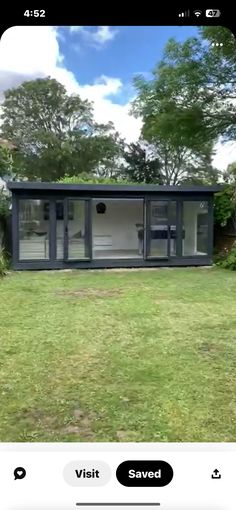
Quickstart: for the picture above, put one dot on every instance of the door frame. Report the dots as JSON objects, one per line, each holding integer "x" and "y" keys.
{"x": 87, "y": 228}
{"x": 147, "y": 229}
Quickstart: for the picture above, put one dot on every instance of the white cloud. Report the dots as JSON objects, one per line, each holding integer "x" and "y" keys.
{"x": 30, "y": 52}
{"x": 105, "y": 109}
{"x": 104, "y": 34}
{"x": 103, "y": 86}
{"x": 96, "y": 38}
{"x": 74, "y": 29}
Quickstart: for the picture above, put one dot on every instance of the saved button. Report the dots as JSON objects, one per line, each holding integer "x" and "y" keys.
{"x": 144, "y": 473}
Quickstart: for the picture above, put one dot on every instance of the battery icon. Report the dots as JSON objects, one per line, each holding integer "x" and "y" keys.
{"x": 212, "y": 13}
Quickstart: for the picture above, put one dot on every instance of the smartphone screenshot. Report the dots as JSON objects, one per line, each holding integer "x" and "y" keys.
{"x": 117, "y": 261}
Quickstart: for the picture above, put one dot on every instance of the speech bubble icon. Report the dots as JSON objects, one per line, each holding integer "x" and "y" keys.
{"x": 19, "y": 473}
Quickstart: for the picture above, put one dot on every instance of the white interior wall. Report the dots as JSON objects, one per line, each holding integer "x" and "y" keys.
{"x": 118, "y": 222}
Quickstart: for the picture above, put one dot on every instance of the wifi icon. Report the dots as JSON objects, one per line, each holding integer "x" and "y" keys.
{"x": 197, "y": 13}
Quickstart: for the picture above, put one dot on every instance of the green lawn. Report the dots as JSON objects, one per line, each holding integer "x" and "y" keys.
{"x": 140, "y": 355}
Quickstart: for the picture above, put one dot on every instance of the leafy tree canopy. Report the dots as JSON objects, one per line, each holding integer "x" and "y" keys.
{"x": 191, "y": 98}
{"x": 230, "y": 174}
{"x": 188, "y": 104}
{"x": 6, "y": 162}
{"x": 225, "y": 206}
{"x": 92, "y": 179}
{"x": 140, "y": 166}
{"x": 55, "y": 133}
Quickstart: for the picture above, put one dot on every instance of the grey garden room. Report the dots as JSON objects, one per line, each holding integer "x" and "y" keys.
{"x": 56, "y": 226}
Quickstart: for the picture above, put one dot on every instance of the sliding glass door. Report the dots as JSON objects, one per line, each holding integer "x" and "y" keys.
{"x": 34, "y": 229}
{"x": 77, "y": 230}
{"x": 161, "y": 229}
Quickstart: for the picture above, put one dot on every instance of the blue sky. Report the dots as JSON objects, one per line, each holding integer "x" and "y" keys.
{"x": 132, "y": 50}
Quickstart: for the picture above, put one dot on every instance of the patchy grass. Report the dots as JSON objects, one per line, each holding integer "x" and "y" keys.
{"x": 118, "y": 355}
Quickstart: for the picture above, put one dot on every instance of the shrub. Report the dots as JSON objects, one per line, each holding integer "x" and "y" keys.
{"x": 218, "y": 257}
{"x": 227, "y": 260}
{"x": 84, "y": 178}
{"x": 5, "y": 201}
{"x": 4, "y": 263}
{"x": 225, "y": 205}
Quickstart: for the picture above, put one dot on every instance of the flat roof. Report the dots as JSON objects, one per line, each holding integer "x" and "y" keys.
{"x": 142, "y": 188}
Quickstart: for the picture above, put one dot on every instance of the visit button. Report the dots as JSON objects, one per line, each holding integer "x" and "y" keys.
{"x": 144, "y": 473}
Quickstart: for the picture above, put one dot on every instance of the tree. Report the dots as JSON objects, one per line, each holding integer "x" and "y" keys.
{"x": 84, "y": 178}
{"x": 191, "y": 98}
{"x": 163, "y": 163}
{"x": 200, "y": 175}
{"x": 180, "y": 165}
{"x": 141, "y": 167}
{"x": 55, "y": 133}
{"x": 6, "y": 162}
{"x": 229, "y": 175}
{"x": 110, "y": 150}
{"x": 189, "y": 103}
{"x": 225, "y": 206}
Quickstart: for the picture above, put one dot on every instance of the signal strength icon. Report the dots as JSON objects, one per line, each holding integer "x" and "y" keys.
{"x": 184, "y": 14}
{"x": 197, "y": 13}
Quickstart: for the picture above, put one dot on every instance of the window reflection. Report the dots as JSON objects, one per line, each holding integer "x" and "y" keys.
{"x": 195, "y": 223}
{"x": 33, "y": 229}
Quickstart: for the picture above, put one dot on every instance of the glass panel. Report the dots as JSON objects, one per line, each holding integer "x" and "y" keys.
{"x": 77, "y": 238}
{"x": 59, "y": 230}
{"x": 173, "y": 228}
{"x": 117, "y": 228}
{"x": 34, "y": 229}
{"x": 195, "y": 228}
{"x": 158, "y": 228}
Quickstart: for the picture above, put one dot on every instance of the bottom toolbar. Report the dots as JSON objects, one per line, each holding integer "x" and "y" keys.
{"x": 129, "y": 479}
